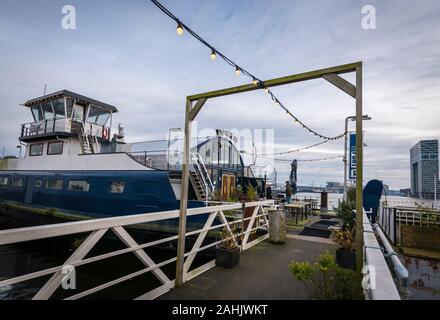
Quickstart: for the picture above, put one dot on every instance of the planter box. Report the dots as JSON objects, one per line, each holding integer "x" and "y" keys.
{"x": 227, "y": 258}
{"x": 346, "y": 259}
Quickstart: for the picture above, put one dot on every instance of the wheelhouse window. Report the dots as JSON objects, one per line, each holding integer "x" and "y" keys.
{"x": 98, "y": 115}
{"x": 55, "y": 184}
{"x": 37, "y": 113}
{"x": 55, "y": 148}
{"x": 4, "y": 181}
{"x": 36, "y": 149}
{"x": 78, "y": 112}
{"x": 117, "y": 187}
{"x": 47, "y": 110}
{"x": 78, "y": 185}
{"x": 17, "y": 182}
{"x": 58, "y": 108}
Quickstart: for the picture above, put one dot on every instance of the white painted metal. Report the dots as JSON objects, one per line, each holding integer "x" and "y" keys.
{"x": 98, "y": 228}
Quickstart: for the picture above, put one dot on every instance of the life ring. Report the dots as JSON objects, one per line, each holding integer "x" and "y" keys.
{"x": 105, "y": 133}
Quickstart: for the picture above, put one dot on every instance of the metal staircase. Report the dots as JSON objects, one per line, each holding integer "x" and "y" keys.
{"x": 89, "y": 143}
{"x": 200, "y": 178}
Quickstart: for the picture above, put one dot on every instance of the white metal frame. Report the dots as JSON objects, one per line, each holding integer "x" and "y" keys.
{"x": 98, "y": 227}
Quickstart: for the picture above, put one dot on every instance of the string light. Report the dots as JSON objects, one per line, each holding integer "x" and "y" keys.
{"x": 238, "y": 70}
{"x": 311, "y": 160}
{"x": 213, "y": 55}
{"x": 179, "y": 29}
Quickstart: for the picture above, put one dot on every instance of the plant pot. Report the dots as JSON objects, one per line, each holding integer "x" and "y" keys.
{"x": 346, "y": 259}
{"x": 227, "y": 258}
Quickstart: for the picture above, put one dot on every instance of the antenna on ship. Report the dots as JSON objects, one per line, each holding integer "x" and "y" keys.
{"x": 45, "y": 87}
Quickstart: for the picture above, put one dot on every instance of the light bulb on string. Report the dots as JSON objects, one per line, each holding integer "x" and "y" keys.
{"x": 266, "y": 90}
{"x": 179, "y": 29}
{"x": 255, "y": 82}
{"x": 213, "y": 55}
{"x": 237, "y": 71}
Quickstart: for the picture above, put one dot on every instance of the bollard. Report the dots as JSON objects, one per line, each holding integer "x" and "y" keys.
{"x": 324, "y": 202}
{"x": 277, "y": 226}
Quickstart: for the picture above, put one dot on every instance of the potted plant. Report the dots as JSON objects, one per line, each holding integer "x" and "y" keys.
{"x": 228, "y": 251}
{"x": 345, "y": 254}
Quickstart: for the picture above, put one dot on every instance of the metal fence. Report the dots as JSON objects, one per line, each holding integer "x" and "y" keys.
{"x": 216, "y": 219}
{"x": 391, "y": 218}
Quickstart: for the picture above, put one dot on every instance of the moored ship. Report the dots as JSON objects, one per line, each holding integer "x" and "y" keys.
{"x": 73, "y": 169}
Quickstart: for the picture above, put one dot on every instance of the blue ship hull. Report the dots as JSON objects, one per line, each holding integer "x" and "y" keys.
{"x": 143, "y": 192}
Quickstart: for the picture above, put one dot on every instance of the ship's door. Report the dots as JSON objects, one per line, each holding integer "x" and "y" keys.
{"x": 228, "y": 185}
{"x": 29, "y": 189}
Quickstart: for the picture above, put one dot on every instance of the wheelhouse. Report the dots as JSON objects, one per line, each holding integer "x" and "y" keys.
{"x": 65, "y": 114}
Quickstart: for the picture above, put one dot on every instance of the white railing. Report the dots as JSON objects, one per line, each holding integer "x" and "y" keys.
{"x": 98, "y": 227}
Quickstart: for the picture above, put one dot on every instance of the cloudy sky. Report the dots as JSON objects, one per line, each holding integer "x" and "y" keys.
{"x": 127, "y": 53}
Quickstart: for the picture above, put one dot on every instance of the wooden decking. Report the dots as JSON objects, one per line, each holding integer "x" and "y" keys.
{"x": 263, "y": 274}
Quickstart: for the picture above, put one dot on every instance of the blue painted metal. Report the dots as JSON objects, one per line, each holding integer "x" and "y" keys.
{"x": 352, "y": 157}
{"x": 371, "y": 195}
{"x": 144, "y": 191}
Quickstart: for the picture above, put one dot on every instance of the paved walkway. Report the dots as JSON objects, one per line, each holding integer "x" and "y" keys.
{"x": 263, "y": 274}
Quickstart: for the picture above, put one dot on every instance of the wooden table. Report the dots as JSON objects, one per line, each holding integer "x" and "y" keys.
{"x": 298, "y": 207}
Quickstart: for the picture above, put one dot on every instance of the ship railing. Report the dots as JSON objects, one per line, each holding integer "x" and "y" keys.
{"x": 379, "y": 281}
{"x": 254, "y": 229}
{"x": 45, "y": 127}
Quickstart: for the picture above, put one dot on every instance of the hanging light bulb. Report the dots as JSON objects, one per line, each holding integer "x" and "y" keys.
{"x": 213, "y": 55}
{"x": 179, "y": 29}
{"x": 237, "y": 71}
{"x": 266, "y": 90}
{"x": 255, "y": 82}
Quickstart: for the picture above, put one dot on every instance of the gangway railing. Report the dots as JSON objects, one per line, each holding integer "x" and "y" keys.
{"x": 215, "y": 220}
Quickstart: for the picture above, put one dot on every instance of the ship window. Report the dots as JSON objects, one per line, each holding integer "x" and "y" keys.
{"x": 47, "y": 110}
{"x": 78, "y": 112}
{"x": 98, "y": 115}
{"x": 17, "y": 182}
{"x": 69, "y": 107}
{"x": 58, "y": 108}
{"x": 56, "y": 184}
{"x": 37, "y": 113}
{"x": 4, "y": 181}
{"x": 38, "y": 183}
{"x": 116, "y": 187}
{"x": 36, "y": 149}
{"x": 55, "y": 148}
{"x": 78, "y": 185}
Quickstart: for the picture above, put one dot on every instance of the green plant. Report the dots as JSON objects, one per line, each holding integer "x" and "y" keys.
{"x": 228, "y": 238}
{"x": 251, "y": 193}
{"x": 351, "y": 196}
{"x": 345, "y": 213}
{"x": 325, "y": 280}
{"x": 344, "y": 239}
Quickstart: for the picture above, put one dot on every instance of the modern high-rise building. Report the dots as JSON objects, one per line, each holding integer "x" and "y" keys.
{"x": 424, "y": 169}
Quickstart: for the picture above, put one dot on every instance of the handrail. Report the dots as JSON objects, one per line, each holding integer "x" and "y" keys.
{"x": 400, "y": 271}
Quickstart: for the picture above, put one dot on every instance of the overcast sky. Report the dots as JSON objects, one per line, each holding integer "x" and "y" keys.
{"x": 127, "y": 53}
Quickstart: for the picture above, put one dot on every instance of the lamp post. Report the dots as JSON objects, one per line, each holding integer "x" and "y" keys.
{"x": 351, "y": 118}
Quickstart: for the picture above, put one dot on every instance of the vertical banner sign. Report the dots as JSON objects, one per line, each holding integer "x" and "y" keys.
{"x": 352, "y": 163}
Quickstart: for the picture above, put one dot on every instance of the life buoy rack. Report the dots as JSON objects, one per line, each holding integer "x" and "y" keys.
{"x": 105, "y": 133}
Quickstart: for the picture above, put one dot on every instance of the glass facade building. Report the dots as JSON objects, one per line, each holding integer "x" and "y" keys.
{"x": 424, "y": 169}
